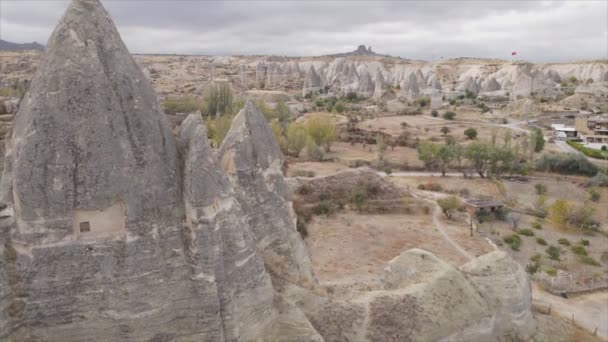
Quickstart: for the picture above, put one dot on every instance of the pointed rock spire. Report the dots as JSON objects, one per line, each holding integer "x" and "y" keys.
{"x": 89, "y": 130}
{"x": 252, "y": 158}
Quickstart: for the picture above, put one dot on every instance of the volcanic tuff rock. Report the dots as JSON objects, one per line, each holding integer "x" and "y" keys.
{"x": 253, "y": 160}
{"x": 151, "y": 255}
{"x": 313, "y": 81}
{"x": 422, "y": 298}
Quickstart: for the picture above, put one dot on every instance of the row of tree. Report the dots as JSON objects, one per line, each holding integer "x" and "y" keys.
{"x": 485, "y": 157}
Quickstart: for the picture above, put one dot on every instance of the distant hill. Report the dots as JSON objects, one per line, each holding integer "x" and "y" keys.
{"x": 8, "y": 46}
{"x": 361, "y": 51}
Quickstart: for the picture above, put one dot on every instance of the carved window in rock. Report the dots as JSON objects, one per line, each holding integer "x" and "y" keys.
{"x": 85, "y": 227}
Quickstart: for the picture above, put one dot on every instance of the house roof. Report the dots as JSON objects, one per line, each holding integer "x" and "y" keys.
{"x": 483, "y": 203}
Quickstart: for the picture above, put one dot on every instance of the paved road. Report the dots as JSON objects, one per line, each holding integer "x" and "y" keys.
{"x": 569, "y": 149}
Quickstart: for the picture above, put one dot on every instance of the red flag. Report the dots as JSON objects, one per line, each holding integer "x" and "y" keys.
{"x": 513, "y": 53}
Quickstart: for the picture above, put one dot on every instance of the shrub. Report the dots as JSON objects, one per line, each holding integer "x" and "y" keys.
{"x": 536, "y": 257}
{"x": 184, "y": 104}
{"x": 526, "y": 232}
{"x": 359, "y": 198}
{"x": 448, "y": 205}
{"x": 514, "y": 241}
{"x": 585, "y": 259}
{"x": 553, "y": 252}
{"x": 301, "y": 227}
{"x": 339, "y": 107}
{"x": 540, "y": 188}
{"x": 537, "y": 225}
{"x": 567, "y": 163}
{"x": 551, "y": 271}
{"x": 424, "y": 101}
{"x": 434, "y": 113}
{"x": 305, "y": 174}
{"x": 449, "y": 115}
{"x": 594, "y": 194}
{"x": 563, "y": 241}
{"x": 430, "y": 186}
{"x": 601, "y": 179}
{"x": 578, "y": 250}
{"x": 541, "y": 241}
{"x": 570, "y": 216}
{"x": 501, "y": 214}
{"x": 591, "y": 152}
{"x": 532, "y": 268}
{"x": 584, "y": 242}
{"x": 470, "y": 133}
{"x": 323, "y": 208}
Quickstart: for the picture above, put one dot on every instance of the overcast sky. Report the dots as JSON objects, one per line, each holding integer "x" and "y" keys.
{"x": 537, "y": 30}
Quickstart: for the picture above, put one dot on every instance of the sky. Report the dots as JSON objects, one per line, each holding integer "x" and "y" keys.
{"x": 539, "y": 31}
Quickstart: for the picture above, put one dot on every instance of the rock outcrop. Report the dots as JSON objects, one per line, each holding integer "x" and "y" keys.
{"x": 156, "y": 254}
{"x": 313, "y": 82}
{"x": 366, "y": 85}
{"x": 425, "y": 299}
{"x": 252, "y": 159}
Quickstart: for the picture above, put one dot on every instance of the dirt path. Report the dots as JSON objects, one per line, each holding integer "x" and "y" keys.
{"x": 590, "y": 310}
{"x": 440, "y": 228}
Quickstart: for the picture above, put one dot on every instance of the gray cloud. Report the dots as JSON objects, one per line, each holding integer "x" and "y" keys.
{"x": 538, "y": 30}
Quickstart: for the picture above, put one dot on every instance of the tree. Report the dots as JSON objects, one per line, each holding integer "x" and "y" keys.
{"x": 427, "y": 153}
{"x": 380, "y": 146}
{"x": 218, "y": 97}
{"x": 538, "y": 140}
{"x": 445, "y": 130}
{"x": 471, "y": 133}
{"x": 480, "y": 154}
{"x": 339, "y": 107}
{"x": 434, "y": 113}
{"x": 279, "y": 135}
{"x": 322, "y": 131}
{"x": 448, "y": 205}
{"x": 514, "y": 219}
{"x": 283, "y": 114}
{"x": 449, "y": 115}
{"x": 501, "y": 158}
{"x": 445, "y": 155}
{"x": 296, "y": 138}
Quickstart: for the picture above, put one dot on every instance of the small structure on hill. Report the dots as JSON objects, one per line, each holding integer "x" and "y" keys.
{"x": 474, "y": 206}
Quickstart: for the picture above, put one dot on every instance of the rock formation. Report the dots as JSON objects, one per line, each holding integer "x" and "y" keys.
{"x": 379, "y": 84}
{"x": 490, "y": 85}
{"x": 422, "y": 298}
{"x": 410, "y": 87}
{"x": 252, "y": 159}
{"x": 313, "y": 82}
{"x": 107, "y": 239}
{"x": 366, "y": 85}
{"x": 112, "y": 229}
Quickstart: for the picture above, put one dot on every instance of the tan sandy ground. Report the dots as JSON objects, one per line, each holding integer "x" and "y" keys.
{"x": 349, "y": 246}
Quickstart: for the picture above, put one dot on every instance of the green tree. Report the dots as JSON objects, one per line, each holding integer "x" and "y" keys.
{"x": 296, "y": 138}
{"x": 480, "y": 155}
{"x": 445, "y": 130}
{"x": 449, "y": 115}
{"x": 538, "y": 140}
{"x": 339, "y": 107}
{"x": 322, "y": 131}
{"x": 283, "y": 114}
{"x": 427, "y": 153}
{"x": 448, "y": 205}
{"x": 445, "y": 155}
{"x": 471, "y": 133}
